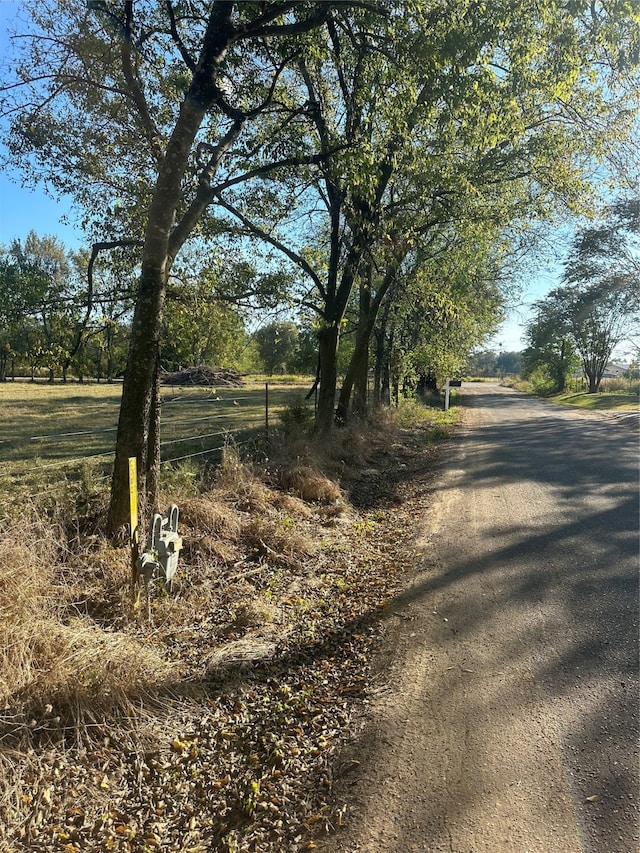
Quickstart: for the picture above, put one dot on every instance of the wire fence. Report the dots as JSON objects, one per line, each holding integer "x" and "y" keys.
{"x": 196, "y": 424}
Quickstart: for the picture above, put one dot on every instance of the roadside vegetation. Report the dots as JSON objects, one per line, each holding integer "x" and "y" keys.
{"x": 607, "y": 400}
{"x": 210, "y": 717}
{"x": 615, "y": 394}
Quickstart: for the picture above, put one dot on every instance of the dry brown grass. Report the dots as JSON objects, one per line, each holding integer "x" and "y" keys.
{"x": 71, "y": 638}
{"x": 54, "y": 653}
{"x": 309, "y": 484}
{"x": 80, "y": 664}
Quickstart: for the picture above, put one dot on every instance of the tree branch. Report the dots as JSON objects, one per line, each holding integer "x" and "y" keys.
{"x": 136, "y": 92}
{"x": 204, "y": 195}
{"x": 297, "y": 259}
{"x": 188, "y": 60}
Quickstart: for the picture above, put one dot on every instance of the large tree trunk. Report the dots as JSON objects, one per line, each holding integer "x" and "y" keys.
{"x": 356, "y": 377}
{"x": 381, "y": 394}
{"x": 594, "y": 382}
{"x": 163, "y": 239}
{"x": 356, "y": 371}
{"x": 328, "y": 338}
{"x": 134, "y": 424}
{"x": 361, "y": 362}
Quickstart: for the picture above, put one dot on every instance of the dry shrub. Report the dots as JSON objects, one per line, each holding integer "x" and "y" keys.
{"x": 254, "y": 613}
{"x": 80, "y": 667}
{"x": 203, "y": 551}
{"x": 211, "y": 533}
{"x": 291, "y": 505}
{"x": 24, "y": 579}
{"x": 309, "y": 484}
{"x": 245, "y": 651}
{"x": 49, "y": 654}
{"x": 94, "y": 583}
{"x": 233, "y": 472}
{"x": 210, "y": 516}
{"x": 272, "y": 542}
{"x": 239, "y": 483}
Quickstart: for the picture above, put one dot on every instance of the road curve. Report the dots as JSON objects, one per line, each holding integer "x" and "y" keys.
{"x": 509, "y": 721}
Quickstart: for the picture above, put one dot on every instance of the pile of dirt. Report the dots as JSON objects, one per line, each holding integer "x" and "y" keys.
{"x": 217, "y": 377}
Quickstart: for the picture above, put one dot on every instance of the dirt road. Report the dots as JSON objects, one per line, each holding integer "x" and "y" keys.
{"x": 508, "y": 718}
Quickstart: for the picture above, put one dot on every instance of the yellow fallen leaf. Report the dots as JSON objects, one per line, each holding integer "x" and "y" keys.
{"x": 104, "y": 784}
{"x": 593, "y": 799}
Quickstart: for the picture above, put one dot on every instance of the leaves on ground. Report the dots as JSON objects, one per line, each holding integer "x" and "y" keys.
{"x": 270, "y": 635}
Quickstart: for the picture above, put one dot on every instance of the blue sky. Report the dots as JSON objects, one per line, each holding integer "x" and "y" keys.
{"x": 21, "y": 209}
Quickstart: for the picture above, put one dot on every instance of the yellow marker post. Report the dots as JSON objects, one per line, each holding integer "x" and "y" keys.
{"x": 133, "y": 517}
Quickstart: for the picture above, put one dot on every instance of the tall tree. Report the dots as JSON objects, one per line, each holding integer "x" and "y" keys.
{"x": 46, "y": 294}
{"x": 602, "y": 275}
{"x": 587, "y": 320}
{"x": 550, "y": 346}
{"x": 438, "y": 112}
{"x": 134, "y": 107}
{"x": 198, "y": 329}
{"x": 277, "y": 343}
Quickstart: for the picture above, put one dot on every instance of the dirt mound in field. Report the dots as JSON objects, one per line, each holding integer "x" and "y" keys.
{"x": 216, "y": 376}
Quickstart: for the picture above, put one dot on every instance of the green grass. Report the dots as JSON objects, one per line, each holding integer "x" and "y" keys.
{"x": 49, "y": 432}
{"x": 615, "y": 401}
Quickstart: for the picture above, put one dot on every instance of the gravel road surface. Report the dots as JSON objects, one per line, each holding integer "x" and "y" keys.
{"x": 508, "y": 716}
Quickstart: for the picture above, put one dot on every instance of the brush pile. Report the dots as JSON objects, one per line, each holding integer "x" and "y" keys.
{"x": 214, "y": 377}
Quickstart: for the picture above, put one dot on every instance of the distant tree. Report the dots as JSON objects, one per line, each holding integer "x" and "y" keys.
{"x": 305, "y": 357}
{"x": 509, "y": 362}
{"x": 605, "y": 259}
{"x": 491, "y": 363}
{"x": 197, "y": 328}
{"x": 602, "y": 275}
{"x": 43, "y": 277}
{"x": 550, "y": 349}
{"x": 482, "y": 363}
{"x": 599, "y": 305}
{"x": 598, "y": 323}
{"x": 588, "y": 322}
{"x": 277, "y": 344}
{"x": 11, "y": 312}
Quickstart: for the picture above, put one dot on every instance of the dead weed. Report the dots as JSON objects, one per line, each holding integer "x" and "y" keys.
{"x": 102, "y": 745}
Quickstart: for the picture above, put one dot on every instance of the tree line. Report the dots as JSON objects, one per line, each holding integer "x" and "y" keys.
{"x": 579, "y": 324}
{"x": 377, "y": 165}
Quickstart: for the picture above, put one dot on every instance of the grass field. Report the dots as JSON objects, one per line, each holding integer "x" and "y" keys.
{"x": 49, "y": 433}
{"x": 614, "y": 401}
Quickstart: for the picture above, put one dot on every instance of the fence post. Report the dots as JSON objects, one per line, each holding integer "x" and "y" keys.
{"x": 134, "y": 535}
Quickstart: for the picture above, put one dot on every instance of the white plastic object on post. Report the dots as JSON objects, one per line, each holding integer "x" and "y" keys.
{"x": 160, "y": 561}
